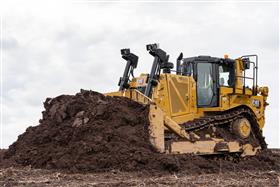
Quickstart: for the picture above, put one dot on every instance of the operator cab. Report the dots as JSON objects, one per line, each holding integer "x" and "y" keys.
{"x": 210, "y": 73}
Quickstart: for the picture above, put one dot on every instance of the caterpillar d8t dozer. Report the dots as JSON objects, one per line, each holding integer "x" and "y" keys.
{"x": 207, "y": 105}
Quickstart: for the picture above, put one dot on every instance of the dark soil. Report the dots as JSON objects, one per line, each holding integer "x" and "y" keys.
{"x": 92, "y": 132}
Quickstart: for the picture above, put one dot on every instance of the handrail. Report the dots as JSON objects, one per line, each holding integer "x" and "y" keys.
{"x": 255, "y": 74}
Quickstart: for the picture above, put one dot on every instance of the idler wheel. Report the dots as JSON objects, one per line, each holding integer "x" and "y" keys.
{"x": 241, "y": 127}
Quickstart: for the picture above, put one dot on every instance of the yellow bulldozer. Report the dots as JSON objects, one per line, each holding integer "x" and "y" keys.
{"x": 207, "y": 105}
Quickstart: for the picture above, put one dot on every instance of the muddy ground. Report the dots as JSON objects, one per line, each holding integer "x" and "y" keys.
{"x": 42, "y": 177}
{"x": 89, "y": 139}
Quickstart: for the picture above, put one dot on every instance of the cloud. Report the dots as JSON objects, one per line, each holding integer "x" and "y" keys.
{"x": 55, "y": 48}
{"x": 10, "y": 43}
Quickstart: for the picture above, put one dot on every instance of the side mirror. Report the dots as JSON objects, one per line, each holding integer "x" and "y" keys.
{"x": 246, "y": 63}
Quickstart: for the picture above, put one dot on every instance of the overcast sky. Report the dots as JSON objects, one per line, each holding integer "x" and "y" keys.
{"x": 58, "y": 48}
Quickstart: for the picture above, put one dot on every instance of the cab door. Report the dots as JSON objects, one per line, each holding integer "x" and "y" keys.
{"x": 206, "y": 84}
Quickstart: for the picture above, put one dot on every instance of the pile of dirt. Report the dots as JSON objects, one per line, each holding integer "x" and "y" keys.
{"x": 92, "y": 132}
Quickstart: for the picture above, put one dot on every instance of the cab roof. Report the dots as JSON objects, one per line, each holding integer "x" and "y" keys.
{"x": 209, "y": 59}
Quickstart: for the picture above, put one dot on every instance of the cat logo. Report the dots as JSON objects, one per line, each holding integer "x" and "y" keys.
{"x": 256, "y": 103}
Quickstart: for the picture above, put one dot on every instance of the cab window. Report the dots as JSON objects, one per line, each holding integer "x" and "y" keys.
{"x": 225, "y": 76}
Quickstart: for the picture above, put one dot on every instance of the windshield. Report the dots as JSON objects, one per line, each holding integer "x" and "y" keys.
{"x": 204, "y": 84}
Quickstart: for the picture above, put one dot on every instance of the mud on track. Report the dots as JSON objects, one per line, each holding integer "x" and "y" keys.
{"x": 89, "y": 132}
